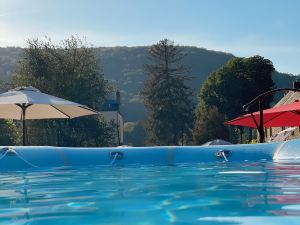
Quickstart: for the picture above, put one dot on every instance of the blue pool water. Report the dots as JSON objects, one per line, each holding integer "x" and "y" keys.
{"x": 209, "y": 194}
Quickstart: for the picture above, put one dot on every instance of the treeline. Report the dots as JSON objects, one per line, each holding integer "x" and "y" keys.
{"x": 169, "y": 100}
{"x": 224, "y": 93}
{"x": 123, "y": 66}
{"x": 170, "y": 119}
{"x": 69, "y": 70}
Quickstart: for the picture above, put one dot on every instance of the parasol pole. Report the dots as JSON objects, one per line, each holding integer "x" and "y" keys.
{"x": 261, "y": 121}
{"x": 23, "y": 107}
{"x": 24, "y": 125}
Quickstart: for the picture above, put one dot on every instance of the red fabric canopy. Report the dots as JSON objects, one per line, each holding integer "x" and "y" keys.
{"x": 284, "y": 115}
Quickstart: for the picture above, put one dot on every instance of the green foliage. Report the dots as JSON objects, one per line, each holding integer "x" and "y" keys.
{"x": 9, "y": 133}
{"x": 88, "y": 131}
{"x": 234, "y": 85}
{"x": 135, "y": 133}
{"x": 210, "y": 126}
{"x": 237, "y": 83}
{"x": 71, "y": 71}
{"x": 124, "y": 67}
{"x": 283, "y": 81}
{"x": 166, "y": 96}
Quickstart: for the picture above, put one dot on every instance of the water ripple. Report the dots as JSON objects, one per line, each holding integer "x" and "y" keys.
{"x": 141, "y": 195}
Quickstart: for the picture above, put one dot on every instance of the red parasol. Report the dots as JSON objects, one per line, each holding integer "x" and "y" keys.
{"x": 284, "y": 115}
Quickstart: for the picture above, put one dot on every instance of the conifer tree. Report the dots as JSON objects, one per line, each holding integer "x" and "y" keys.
{"x": 167, "y": 97}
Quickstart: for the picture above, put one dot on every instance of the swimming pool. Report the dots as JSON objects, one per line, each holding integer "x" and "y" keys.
{"x": 231, "y": 185}
{"x": 200, "y": 193}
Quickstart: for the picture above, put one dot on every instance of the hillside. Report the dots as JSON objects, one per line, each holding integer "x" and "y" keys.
{"x": 124, "y": 67}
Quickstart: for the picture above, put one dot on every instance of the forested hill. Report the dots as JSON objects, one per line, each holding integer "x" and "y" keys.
{"x": 124, "y": 66}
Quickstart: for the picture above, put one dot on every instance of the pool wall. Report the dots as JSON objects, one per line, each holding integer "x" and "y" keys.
{"x": 17, "y": 157}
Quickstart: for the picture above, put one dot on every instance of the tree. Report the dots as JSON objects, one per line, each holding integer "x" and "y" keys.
{"x": 135, "y": 133}
{"x": 234, "y": 85}
{"x": 167, "y": 96}
{"x": 210, "y": 126}
{"x": 69, "y": 70}
{"x": 9, "y": 133}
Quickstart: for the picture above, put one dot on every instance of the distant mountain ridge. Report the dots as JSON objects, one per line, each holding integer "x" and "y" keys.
{"x": 124, "y": 67}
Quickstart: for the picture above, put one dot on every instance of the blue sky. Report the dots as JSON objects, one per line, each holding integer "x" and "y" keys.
{"x": 270, "y": 28}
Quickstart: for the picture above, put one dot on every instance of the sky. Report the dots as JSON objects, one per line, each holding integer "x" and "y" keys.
{"x": 270, "y": 28}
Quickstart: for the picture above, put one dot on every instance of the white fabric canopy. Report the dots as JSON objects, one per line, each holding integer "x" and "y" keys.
{"x": 38, "y": 105}
{"x": 25, "y": 103}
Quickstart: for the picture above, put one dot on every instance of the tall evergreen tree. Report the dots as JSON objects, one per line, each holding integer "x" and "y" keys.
{"x": 167, "y": 96}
